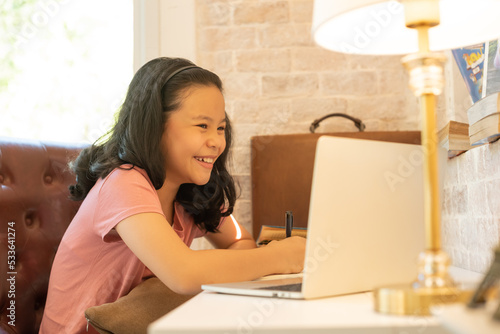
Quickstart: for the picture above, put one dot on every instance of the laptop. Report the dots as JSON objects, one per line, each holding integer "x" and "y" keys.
{"x": 365, "y": 225}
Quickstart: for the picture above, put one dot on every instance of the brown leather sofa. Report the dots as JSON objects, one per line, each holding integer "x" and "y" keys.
{"x": 34, "y": 213}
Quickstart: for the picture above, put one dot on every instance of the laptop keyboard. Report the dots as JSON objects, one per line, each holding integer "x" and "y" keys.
{"x": 286, "y": 287}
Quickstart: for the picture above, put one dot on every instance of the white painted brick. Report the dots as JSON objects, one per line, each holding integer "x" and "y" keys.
{"x": 241, "y": 160}
{"x": 393, "y": 82}
{"x": 377, "y": 107}
{"x": 285, "y": 35}
{"x": 366, "y": 62}
{"x": 309, "y": 109}
{"x": 272, "y": 60}
{"x": 289, "y": 85}
{"x": 268, "y": 113}
{"x": 269, "y": 12}
{"x": 301, "y": 11}
{"x": 317, "y": 59}
{"x": 214, "y": 39}
{"x": 243, "y": 185}
{"x": 214, "y": 13}
{"x": 353, "y": 83}
{"x": 240, "y": 85}
{"x": 278, "y": 81}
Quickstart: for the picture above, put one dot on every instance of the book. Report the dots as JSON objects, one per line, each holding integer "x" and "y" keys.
{"x": 486, "y": 130}
{"x": 484, "y": 107}
{"x": 470, "y": 61}
{"x": 455, "y": 138}
{"x": 491, "y": 78}
{"x": 483, "y": 115}
{"x": 269, "y": 233}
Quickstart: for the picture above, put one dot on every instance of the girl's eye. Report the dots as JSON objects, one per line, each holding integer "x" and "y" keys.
{"x": 221, "y": 128}
{"x": 203, "y": 126}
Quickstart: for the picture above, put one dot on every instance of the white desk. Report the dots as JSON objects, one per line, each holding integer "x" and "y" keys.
{"x": 351, "y": 314}
{"x": 461, "y": 320}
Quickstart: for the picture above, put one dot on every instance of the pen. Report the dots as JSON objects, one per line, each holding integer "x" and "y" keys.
{"x": 288, "y": 223}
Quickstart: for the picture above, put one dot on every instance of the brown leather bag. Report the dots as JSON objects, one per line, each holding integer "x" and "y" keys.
{"x": 281, "y": 173}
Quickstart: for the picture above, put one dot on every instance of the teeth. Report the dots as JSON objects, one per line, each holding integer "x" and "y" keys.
{"x": 207, "y": 160}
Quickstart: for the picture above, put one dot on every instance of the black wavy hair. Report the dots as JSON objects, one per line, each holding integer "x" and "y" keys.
{"x": 136, "y": 139}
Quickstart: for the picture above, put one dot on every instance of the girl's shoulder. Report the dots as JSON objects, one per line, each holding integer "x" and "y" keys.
{"x": 128, "y": 174}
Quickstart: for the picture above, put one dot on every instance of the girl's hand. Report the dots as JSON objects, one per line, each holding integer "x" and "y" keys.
{"x": 290, "y": 252}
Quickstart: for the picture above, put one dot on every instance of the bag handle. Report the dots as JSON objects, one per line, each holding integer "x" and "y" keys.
{"x": 357, "y": 122}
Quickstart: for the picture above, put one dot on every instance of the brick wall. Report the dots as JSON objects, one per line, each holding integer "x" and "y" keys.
{"x": 471, "y": 199}
{"x": 471, "y": 210}
{"x": 278, "y": 81}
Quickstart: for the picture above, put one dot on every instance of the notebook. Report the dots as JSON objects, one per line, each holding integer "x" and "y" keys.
{"x": 365, "y": 224}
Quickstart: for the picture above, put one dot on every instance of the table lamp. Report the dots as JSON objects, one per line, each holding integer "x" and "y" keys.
{"x": 416, "y": 29}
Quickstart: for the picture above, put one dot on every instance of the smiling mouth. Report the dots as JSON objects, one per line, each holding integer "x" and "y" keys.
{"x": 205, "y": 160}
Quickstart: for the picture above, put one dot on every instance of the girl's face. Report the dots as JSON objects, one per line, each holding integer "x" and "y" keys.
{"x": 194, "y": 136}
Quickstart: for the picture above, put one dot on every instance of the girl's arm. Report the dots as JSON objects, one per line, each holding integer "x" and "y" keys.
{"x": 155, "y": 243}
{"x": 231, "y": 235}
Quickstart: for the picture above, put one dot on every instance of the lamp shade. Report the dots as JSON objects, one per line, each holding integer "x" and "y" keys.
{"x": 378, "y": 26}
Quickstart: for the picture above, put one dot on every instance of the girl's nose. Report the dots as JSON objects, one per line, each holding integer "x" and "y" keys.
{"x": 217, "y": 140}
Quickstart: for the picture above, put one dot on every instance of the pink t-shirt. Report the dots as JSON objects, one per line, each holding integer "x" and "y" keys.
{"x": 93, "y": 265}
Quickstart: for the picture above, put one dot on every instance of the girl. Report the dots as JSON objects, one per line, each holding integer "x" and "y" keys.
{"x": 157, "y": 181}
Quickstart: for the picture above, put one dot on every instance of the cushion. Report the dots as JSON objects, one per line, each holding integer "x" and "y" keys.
{"x": 132, "y": 313}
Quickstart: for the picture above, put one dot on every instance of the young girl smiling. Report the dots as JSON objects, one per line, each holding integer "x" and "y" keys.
{"x": 156, "y": 182}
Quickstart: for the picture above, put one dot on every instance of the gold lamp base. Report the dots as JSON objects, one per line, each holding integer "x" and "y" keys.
{"x": 410, "y": 300}
{"x": 433, "y": 287}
